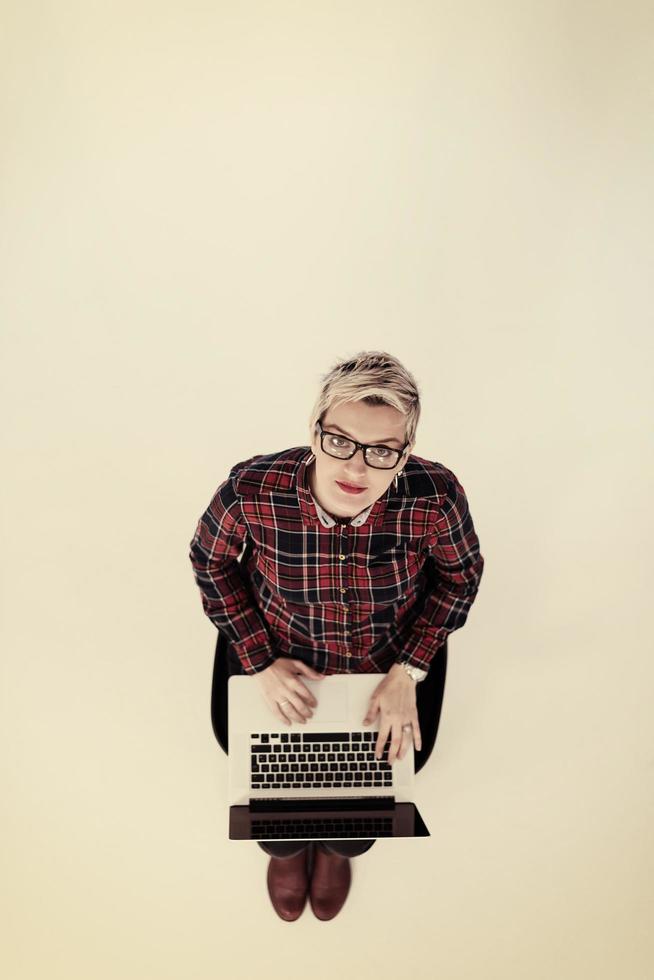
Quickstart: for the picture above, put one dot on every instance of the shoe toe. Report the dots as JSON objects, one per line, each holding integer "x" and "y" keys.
{"x": 330, "y": 885}
{"x": 288, "y": 886}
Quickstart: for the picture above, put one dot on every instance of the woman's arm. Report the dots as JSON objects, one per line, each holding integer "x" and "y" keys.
{"x": 456, "y": 567}
{"x": 214, "y": 550}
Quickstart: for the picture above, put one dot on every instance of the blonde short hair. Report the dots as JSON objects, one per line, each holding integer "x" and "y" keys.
{"x": 374, "y": 377}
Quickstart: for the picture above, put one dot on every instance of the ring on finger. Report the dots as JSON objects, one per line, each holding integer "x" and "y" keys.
{"x": 291, "y": 707}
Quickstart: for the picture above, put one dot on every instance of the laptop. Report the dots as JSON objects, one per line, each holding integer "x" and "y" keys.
{"x": 320, "y": 779}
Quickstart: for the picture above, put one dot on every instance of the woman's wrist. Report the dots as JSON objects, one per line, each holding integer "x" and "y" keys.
{"x": 398, "y": 670}
{"x": 415, "y": 674}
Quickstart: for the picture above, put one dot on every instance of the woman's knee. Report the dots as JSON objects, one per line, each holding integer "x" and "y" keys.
{"x": 347, "y": 848}
{"x": 283, "y": 848}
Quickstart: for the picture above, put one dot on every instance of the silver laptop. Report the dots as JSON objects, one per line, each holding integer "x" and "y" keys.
{"x": 320, "y": 779}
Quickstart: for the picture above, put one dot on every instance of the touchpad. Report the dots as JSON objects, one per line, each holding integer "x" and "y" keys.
{"x": 332, "y": 697}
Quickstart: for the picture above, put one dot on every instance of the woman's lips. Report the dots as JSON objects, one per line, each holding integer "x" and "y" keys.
{"x": 348, "y": 488}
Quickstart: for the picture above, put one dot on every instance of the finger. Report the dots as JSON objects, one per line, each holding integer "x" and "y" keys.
{"x": 309, "y": 671}
{"x": 405, "y": 735}
{"x": 396, "y": 740}
{"x": 278, "y": 713}
{"x": 303, "y": 692}
{"x": 373, "y": 708}
{"x": 407, "y": 738}
{"x": 417, "y": 734}
{"x": 384, "y": 729}
{"x": 294, "y": 707}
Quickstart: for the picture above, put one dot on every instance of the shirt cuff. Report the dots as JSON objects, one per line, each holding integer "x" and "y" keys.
{"x": 419, "y": 652}
{"x": 253, "y": 660}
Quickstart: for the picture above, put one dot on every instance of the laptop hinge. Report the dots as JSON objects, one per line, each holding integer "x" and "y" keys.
{"x": 326, "y": 803}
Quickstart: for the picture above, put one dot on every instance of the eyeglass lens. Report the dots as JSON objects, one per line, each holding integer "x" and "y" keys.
{"x": 377, "y": 456}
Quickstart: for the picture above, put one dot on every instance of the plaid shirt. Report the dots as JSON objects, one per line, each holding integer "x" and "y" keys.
{"x": 341, "y": 595}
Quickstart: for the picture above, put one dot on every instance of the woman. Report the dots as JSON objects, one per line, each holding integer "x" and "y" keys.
{"x": 362, "y": 557}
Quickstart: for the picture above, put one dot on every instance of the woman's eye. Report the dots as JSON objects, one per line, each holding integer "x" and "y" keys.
{"x": 338, "y": 443}
{"x": 382, "y": 453}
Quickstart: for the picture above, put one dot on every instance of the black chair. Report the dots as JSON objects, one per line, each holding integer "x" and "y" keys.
{"x": 429, "y": 693}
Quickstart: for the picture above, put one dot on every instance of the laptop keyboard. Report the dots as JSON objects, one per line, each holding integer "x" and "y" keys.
{"x": 323, "y": 827}
{"x": 306, "y": 760}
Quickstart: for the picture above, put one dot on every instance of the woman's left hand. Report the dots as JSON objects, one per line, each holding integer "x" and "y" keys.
{"x": 395, "y": 699}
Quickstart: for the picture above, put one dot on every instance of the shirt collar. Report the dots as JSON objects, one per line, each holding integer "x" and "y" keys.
{"x": 328, "y": 521}
{"x": 312, "y": 512}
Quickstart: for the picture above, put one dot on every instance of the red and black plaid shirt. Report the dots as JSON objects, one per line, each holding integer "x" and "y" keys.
{"x": 359, "y": 595}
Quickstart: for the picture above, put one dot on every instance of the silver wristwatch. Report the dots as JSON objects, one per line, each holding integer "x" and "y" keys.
{"x": 415, "y": 673}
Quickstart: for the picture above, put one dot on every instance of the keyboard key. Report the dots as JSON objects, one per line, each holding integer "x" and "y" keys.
{"x": 326, "y": 737}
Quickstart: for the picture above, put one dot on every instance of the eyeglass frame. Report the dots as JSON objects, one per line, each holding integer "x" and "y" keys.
{"x": 362, "y": 446}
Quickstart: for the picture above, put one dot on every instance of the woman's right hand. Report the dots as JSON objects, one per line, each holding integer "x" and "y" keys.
{"x": 284, "y": 693}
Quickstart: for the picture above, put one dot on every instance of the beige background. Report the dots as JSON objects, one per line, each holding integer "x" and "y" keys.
{"x": 203, "y": 207}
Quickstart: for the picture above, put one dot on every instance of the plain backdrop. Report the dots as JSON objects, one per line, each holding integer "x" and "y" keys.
{"x": 203, "y": 207}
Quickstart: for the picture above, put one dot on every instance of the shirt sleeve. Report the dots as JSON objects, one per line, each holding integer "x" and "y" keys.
{"x": 216, "y": 545}
{"x": 455, "y": 569}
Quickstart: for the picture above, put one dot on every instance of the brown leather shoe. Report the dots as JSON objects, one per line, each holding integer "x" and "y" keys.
{"x": 288, "y": 884}
{"x": 330, "y": 883}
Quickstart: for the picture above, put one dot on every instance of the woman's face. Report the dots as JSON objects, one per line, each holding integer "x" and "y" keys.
{"x": 369, "y": 424}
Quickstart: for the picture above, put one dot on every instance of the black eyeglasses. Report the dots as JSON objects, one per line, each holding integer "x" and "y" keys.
{"x": 379, "y": 457}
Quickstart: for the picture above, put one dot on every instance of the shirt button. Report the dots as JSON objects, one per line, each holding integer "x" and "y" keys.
{"x": 348, "y": 654}
{"x": 342, "y": 590}
{"x": 342, "y": 557}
